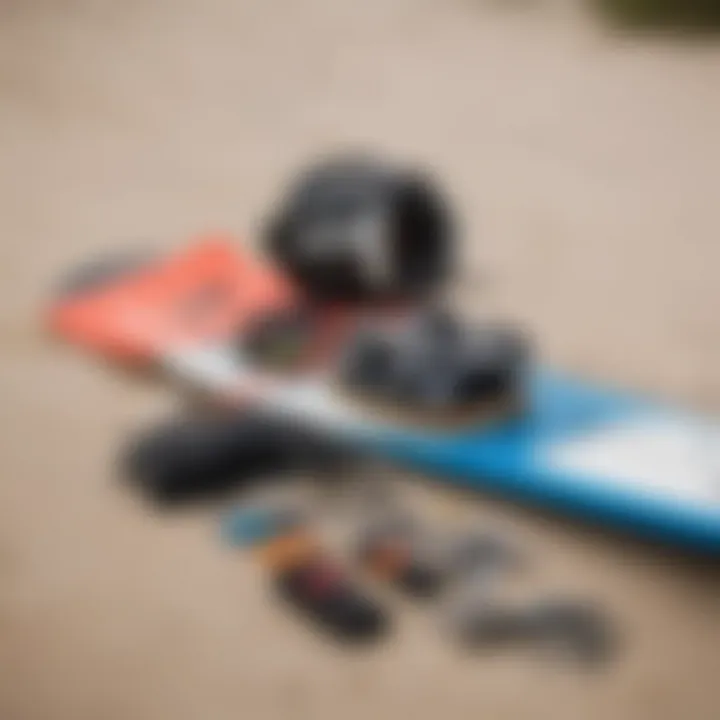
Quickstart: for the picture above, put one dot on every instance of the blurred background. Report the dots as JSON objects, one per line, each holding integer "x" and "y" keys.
{"x": 581, "y": 142}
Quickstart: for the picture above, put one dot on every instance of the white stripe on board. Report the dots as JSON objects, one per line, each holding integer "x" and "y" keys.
{"x": 677, "y": 457}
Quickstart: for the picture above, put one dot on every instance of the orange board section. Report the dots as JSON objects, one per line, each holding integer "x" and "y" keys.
{"x": 202, "y": 295}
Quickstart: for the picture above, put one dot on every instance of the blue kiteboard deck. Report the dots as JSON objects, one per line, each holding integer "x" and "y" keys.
{"x": 595, "y": 453}
{"x": 599, "y": 454}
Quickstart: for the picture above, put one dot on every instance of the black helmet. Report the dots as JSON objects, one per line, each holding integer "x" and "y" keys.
{"x": 355, "y": 228}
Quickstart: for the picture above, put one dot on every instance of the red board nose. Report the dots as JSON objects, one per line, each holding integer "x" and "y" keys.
{"x": 201, "y": 295}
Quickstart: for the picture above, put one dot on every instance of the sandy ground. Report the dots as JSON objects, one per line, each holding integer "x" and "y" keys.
{"x": 587, "y": 168}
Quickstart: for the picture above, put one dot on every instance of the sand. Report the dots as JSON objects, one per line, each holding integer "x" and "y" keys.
{"x": 586, "y": 167}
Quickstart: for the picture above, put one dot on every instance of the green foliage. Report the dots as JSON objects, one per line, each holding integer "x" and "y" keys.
{"x": 664, "y": 14}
